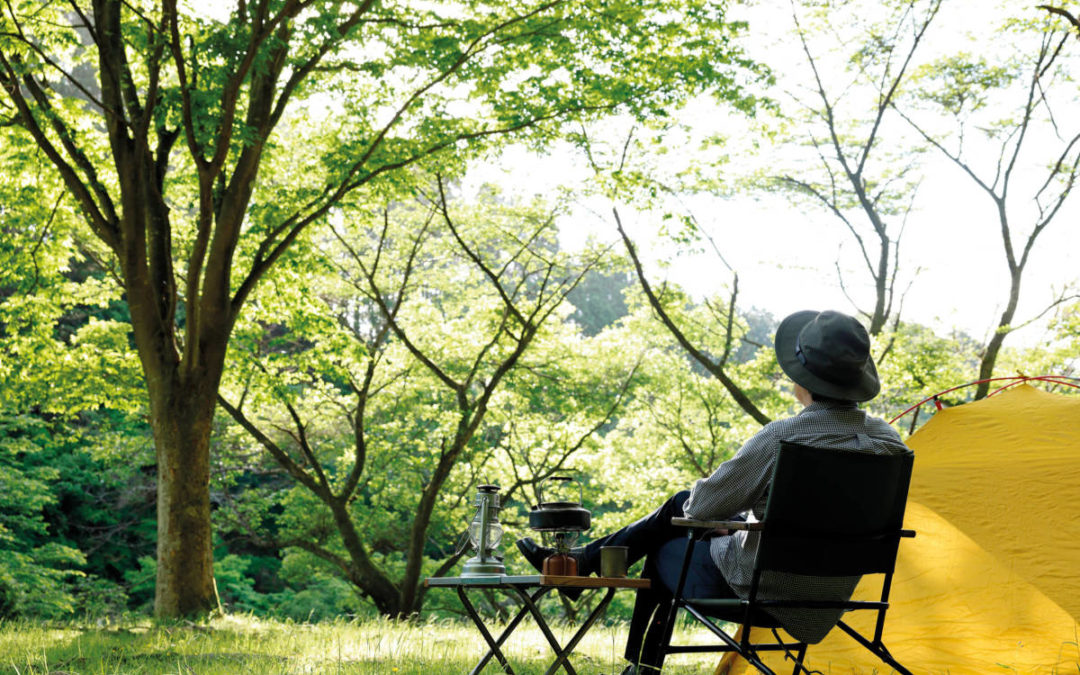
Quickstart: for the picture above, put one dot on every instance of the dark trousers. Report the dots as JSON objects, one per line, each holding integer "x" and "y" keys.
{"x": 662, "y": 545}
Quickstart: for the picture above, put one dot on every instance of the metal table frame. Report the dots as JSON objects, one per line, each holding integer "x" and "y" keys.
{"x": 542, "y": 585}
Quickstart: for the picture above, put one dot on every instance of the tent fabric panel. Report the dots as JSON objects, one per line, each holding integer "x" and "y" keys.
{"x": 955, "y": 609}
{"x": 1006, "y": 472}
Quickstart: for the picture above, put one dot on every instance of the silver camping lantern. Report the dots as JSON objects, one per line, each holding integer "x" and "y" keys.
{"x": 485, "y": 533}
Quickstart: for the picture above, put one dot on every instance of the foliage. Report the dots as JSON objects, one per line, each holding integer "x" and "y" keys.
{"x": 75, "y": 517}
{"x": 919, "y": 363}
{"x": 99, "y": 599}
{"x": 1058, "y": 353}
{"x": 598, "y": 300}
{"x": 33, "y": 566}
{"x": 64, "y": 342}
{"x": 438, "y": 355}
{"x": 64, "y": 355}
{"x": 139, "y": 580}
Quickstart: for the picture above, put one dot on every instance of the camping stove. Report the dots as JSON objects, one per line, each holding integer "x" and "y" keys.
{"x": 564, "y": 519}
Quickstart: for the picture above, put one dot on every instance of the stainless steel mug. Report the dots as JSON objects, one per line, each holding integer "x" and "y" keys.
{"x": 613, "y": 561}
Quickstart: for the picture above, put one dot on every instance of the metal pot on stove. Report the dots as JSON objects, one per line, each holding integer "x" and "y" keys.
{"x": 564, "y": 518}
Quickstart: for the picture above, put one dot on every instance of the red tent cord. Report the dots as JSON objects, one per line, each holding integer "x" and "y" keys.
{"x": 1056, "y": 379}
{"x": 1015, "y": 380}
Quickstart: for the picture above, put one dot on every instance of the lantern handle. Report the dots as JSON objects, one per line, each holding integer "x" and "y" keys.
{"x": 562, "y": 479}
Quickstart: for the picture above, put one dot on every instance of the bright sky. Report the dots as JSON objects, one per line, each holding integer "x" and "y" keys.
{"x": 786, "y": 257}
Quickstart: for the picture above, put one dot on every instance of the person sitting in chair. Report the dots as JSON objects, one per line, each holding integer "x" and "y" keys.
{"x": 827, "y": 356}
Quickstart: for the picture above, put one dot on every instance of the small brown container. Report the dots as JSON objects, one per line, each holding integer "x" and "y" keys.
{"x": 560, "y": 565}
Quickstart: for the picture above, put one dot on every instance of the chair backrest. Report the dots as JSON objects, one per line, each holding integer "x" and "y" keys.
{"x": 834, "y": 512}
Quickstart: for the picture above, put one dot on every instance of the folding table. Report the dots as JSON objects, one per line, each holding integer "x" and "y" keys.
{"x": 529, "y": 589}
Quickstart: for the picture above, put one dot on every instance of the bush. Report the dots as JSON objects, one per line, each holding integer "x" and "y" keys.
{"x": 7, "y": 600}
{"x": 325, "y": 599}
{"x": 96, "y": 598}
{"x": 140, "y": 582}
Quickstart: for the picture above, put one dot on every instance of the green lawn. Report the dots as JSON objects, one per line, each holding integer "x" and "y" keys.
{"x": 238, "y": 645}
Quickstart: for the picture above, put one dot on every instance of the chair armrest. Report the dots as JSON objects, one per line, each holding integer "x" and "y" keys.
{"x": 716, "y": 524}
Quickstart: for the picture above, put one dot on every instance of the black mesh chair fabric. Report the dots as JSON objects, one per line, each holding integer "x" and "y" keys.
{"x": 834, "y": 512}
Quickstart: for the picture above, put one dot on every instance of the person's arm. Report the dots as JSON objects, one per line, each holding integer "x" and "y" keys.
{"x": 738, "y": 483}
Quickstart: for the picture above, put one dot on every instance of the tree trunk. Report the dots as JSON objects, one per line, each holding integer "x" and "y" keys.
{"x": 881, "y": 288}
{"x": 182, "y": 418}
{"x": 989, "y": 358}
{"x": 183, "y": 399}
{"x": 362, "y": 572}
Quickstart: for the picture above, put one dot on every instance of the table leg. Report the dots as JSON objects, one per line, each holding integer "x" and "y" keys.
{"x": 541, "y": 622}
{"x": 561, "y": 655}
{"x": 495, "y": 644}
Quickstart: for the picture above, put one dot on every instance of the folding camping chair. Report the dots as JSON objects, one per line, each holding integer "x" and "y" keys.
{"x": 829, "y": 513}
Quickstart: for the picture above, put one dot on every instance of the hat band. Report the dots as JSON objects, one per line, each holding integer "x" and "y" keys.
{"x": 798, "y": 351}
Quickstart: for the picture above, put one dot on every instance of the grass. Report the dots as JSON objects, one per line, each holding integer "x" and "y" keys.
{"x": 239, "y": 645}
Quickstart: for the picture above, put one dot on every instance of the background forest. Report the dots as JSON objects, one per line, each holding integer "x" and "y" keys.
{"x": 280, "y": 285}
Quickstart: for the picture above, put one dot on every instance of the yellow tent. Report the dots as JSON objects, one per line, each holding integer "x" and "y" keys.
{"x": 992, "y": 581}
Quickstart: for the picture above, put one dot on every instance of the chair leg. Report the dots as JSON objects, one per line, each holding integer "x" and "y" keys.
{"x": 878, "y": 648}
{"x": 799, "y": 667}
{"x": 741, "y": 647}
{"x": 726, "y": 663}
{"x": 888, "y": 658}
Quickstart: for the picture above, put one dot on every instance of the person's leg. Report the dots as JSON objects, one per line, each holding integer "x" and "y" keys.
{"x": 641, "y": 537}
{"x": 703, "y": 579}
{"x": 646, "y": 602}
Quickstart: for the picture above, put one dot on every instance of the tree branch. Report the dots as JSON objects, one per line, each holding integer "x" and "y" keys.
{"x": 279, "y": 455}
{"x": 737, "y": 394}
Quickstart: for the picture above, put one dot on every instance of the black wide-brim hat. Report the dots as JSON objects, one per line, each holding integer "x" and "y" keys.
{"x": 829, "y": 354}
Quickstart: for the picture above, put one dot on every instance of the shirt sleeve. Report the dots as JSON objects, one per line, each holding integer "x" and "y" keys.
{"x": 738, "y": 483}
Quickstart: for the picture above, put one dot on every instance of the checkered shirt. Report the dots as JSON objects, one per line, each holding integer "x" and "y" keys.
{"x": 740, "y": 485}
